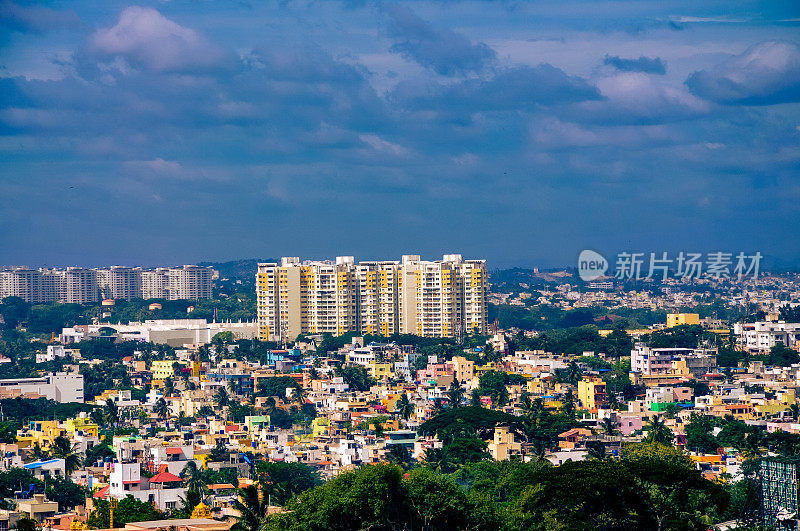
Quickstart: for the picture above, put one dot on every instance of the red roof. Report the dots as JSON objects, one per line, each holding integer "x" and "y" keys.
{"x": 174, "y": 451}
{"x": 232, "y": 427}
{"x": 164, "y": 477}
{"x": 102, "y": 493}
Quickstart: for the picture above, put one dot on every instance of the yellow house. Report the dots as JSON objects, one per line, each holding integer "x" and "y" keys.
{"x": 320, "y": 426}
{"x": 42, "y": 432}
{"x": 592, "y": 392}
{"x": 537, "y": 387}
{"x": 678, "y": 319}
{"x": 84, "y": 424}
{"x": 380, "y": 371}
{"x": 463, "y": 369}
{"x": 162, "y": 369}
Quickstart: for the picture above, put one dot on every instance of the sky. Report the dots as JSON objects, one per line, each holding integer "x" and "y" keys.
{"x": 521, "y": 132}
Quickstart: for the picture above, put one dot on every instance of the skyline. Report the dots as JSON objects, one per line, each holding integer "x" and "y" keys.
{"x": 172, "y": 133}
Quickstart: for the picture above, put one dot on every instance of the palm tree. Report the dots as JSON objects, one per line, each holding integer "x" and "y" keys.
{"x": 404, "y": 407}
{"x": 438, "y": 405}
{"x": 436, "y": 459}
{"x": 161, "y": 408}
{"x": 192, "y": 500}
{"x": 26, "y": 524}
{"x": 252, "y": 507}
{"x": 475, "y": 398}
{"x": 399, "y": 455}
{"x": 596, "y": 450}
{"x": 110, "y": 412}
{"x": 297, "y": 395}
{"x": 657, "y": 431}
{"x": 455, "y": 394}
{"x": 794, "y": 410}
{"x": 270, "y": 405}
{"x": 62, "y": 448}
{"x": 526, "y": 404}
{"x": 608, "y": 426}
{"x": 192, "y": 478}
{"x": 169, "y": 386}
{"x": 500, "y": 396}
{"x": 221, "y": 398}
{"x": 233, "y": 386}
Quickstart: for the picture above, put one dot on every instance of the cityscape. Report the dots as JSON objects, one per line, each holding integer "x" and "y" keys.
{"x": 413, "y": 265}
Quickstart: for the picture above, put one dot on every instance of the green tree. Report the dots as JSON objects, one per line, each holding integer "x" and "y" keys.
{"x": 698, "y": 434}
{"x": 221, "y": 398}
{"x": 62, "y": 448}
{"x": 251, "y": 505}
{"x": 128, "y": 510}
{"x": 657, "y": 431}
{"x": 192, "y": 477}
{"x": 26, "y": 524}
{"x": 67, "y": 494}
{"x": 455, "y": 394}
{"x": 781, "y": 356}
{"x": 161, "y": 408}
{"x": 404, "y": 406}
{"x": 585, "y": 495}
{"x": 111, "y": 412}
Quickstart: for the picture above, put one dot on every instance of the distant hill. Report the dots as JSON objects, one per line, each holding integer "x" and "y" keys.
{"x": 244, "y": 269}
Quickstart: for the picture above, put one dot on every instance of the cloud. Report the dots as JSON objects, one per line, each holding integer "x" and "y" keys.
{"x": 767, "y": 73}
{"x": 642, "y": 64}
{"x": 147, "y": 39}
{"x": 519, "y": 88}
{"x": 35, "y": 19}
{"x": 638, "y": 98}
{"x": 442, "y": 50}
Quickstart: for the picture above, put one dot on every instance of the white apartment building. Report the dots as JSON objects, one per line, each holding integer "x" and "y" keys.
{"x": 154, "y": 283}
{"x": 436, "y": 299}
{"x": 120, "y": 283}
{"x": 22, "y": 283}
{"x": 189, "y": 282}
{"x": 761, "y": 336}
{"x": 657, "y": 361}
{"x": 80, "y": 285}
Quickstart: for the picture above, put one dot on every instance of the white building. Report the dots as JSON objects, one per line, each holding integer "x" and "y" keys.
{"x": 80, "y": 285}
{"x": 56, "y": 351}
{"x": 761, "y": 336}
{"x": 655, "y": 361}
{"x": 161, "y": 490}
{"x": 61, "y": 387}
{"x": 120, "y": 283}
{"x": 173, "y": 332}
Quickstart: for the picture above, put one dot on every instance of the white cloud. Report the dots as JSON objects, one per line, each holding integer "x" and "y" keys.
{"x": 145, "y": 38}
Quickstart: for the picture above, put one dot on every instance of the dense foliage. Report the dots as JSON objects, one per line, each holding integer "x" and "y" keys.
{"x": 643, "y": 493}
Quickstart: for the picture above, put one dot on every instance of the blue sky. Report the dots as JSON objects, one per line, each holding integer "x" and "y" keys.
{"x": 522, "y": 132}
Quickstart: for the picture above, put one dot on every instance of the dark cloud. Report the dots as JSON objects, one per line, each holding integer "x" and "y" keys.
{"x": 442, "y": 50}
{"x": 765, "y": 74}
{"x": 35, "y": 19}
{"x": 302, "y": 136}
{"x": 520, "y": 88}
{"x": 642, "y": 64}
